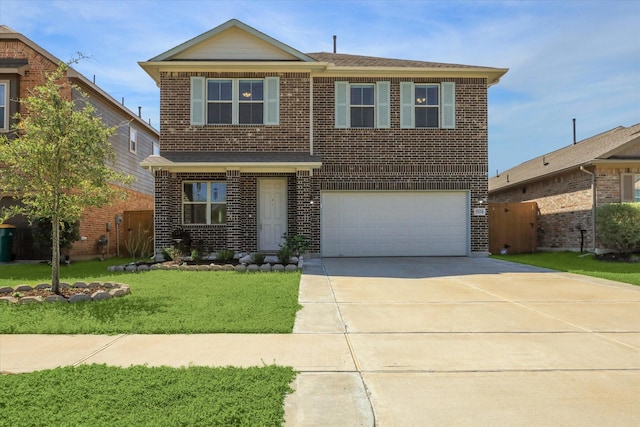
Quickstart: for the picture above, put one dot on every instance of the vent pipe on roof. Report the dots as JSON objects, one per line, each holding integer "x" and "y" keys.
{"x": 122, "y": 100}
{"x": 334, "y": 43}
{"x": 574, "y": 131}
{"x": 139, "y": 111}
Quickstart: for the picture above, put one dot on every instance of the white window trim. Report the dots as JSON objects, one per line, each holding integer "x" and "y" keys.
{"x": 446, "y": 105}
{"x": 381, "y": 107}
{"x": 4, "y": 86}
{"x": 270, "y": 101}
{"x": 133, "y": 140}
{"x": 207, "y": 203}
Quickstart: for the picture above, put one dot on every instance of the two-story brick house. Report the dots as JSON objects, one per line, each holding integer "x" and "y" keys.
{"x": 366, "y": 156}
{"x": 23, "y": 65}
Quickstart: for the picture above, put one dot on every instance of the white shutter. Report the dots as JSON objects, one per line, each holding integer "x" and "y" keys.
{"x": 383, "y": 114}
{"x": 343, "y": 120}
{"x": 627, "y": 188}
{"x": 448, "y": 105}
{"x": 197, "y": 100}
{"x": 272, "y": 101}
{"x": 407, "y": 112}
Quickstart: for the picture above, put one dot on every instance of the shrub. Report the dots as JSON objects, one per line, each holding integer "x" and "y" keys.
{"x": 182, "y": 240}
{"x": 224, "y": 255}
{"x": 258, "y": 258}
{"x": 619, "y": 226}
{"x": 297, "y": 243}
{"x": 284, "y": 254}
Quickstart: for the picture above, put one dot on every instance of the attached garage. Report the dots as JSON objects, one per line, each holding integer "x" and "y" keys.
{"x": 394, "y": 223}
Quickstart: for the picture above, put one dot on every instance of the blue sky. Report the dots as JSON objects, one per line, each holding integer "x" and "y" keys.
{"x": 567, "y": 59}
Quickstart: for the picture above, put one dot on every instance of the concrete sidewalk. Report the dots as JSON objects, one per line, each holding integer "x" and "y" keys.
{"x": 417, "y": 341}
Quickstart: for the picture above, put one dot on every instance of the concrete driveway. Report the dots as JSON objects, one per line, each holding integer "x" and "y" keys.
{"x": 467, "y": 341}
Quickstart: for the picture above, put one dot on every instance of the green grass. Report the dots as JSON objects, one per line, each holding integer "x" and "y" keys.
{"x": 97, "y": 395}
{"x": 161, "y": 302}
{"x": 573, "y": 262}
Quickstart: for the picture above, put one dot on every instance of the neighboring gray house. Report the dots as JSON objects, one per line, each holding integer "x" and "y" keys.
{"x": 23, "y": 65}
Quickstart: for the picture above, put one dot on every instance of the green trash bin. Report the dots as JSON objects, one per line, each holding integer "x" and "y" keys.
{"x": 7, "y": 231}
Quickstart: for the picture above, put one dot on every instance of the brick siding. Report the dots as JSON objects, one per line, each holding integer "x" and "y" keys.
{"x": 565, "y": 204}
{"x": 353, "y": 159}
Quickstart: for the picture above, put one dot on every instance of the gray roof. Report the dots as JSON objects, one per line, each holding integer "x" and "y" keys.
{"x": 607, "y": 145}
{"x": 344, "y": 60}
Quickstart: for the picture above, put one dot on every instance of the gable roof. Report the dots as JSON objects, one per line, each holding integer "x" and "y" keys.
{"x": 178, "y": 51}
{"x": 235, "y": 46}
{"x": 18, "y": 66}
{"x": 612, "y": 146}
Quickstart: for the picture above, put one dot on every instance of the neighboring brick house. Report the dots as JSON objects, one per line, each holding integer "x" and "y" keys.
{"x": 570, "y": 183}
{"x": 366, "y": 156}
{"x": 23, "y": 65}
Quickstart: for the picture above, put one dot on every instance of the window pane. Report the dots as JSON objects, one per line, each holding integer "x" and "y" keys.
{"x": 250, "y": 90}
{"x": 421, "y": 96}
{"x": 361, "y": 95}
{"x": 195, "y": 213}
{"x": 427, "y": 117}
{"x": 251, "y": 113}
{"x": 432, "y": 95}
{"x": 218, "y": 192}
{"x": 219, "y": 90}
{"x": 219, "y": 113}
{"x": 3, "y": 96}
{"x": 218, "y": 214}
{"x": 362, "y": 117}
{"x": 194, "y": 192}
{"x": 2, "y": 118}
{"x": 637, "y": 187}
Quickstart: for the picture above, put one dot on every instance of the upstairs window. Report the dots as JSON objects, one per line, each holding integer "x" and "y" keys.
{"x": 4, "y": 106}
{"x": 427, "y": 105}
{"x": 204, "y": 202}
{"x": 235, "y": 101}
{"x": 133, "y": 140}
{"x": 362, "y": 105}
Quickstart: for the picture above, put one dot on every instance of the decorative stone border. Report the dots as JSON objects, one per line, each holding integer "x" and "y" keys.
{"x": 211, "y": 267}
{"x": 115, "y": 290}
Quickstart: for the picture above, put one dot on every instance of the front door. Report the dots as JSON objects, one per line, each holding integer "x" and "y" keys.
{"x": 272, "y": 212}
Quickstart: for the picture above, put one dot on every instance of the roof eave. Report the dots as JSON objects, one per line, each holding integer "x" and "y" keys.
{"x": 536, "y": 178}
{"x": 249, "y": 167}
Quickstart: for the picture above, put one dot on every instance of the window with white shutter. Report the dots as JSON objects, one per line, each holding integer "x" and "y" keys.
{"x": 235, "y": 101}
{"x": 362, "y": 105}
{"x": 427, "y": 105}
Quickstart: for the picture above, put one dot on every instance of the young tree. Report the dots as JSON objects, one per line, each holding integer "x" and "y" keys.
{"x": 57, "y": 162}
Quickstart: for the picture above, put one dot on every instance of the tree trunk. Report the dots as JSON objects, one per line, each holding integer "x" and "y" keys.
{"x": 55, "y": 255}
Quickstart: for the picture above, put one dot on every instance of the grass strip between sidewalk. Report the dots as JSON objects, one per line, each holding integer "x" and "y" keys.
{"x": 98, "y": 395}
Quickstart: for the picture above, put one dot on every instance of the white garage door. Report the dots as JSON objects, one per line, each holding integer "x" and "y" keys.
{"x": 387, "y": 223}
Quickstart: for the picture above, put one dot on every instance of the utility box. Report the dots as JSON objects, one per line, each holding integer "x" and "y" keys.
{"x": 7, "y": 231}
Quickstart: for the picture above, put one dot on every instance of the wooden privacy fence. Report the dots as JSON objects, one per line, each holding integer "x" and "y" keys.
{"x": 136, "y": 234}
{"x": 514, "y": 227}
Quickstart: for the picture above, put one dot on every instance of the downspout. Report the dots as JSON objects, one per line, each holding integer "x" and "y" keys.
{"x": 311, "y": 114}
{"x": 593, "y": 206}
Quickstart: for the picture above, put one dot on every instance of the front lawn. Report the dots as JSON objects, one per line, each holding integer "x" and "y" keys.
{"x": 161, "y": 302}
{"x": 585, "y": 264}
{"x": 98, "y": 395}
